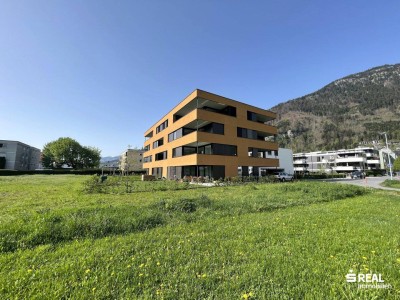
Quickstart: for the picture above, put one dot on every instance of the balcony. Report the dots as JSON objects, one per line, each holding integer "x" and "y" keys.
{"x": 345, "y": 168}
{"x": 300, "y": 162}
{"x": 300, "y": 169}
{"x": 350, "y": 159}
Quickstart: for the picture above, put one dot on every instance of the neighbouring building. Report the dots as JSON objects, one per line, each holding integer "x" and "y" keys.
{"x": 341, "y": 161}
{"x": 131, "y": 160}
{"x": 210, "y": 135}
{"x": 15, "y": 155}
{"x": 286, "y": 160}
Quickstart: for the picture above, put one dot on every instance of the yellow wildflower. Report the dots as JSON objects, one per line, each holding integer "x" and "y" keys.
{"x": 87, "y": 271}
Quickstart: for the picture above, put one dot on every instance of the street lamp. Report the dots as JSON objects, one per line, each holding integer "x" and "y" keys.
{"x": 387, "y": 148}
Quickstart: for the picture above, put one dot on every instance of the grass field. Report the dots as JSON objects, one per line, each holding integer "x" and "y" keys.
{"x": 256, "y": 241}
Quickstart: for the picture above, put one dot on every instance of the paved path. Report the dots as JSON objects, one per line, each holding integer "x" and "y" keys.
{"x": 373, "y": 182}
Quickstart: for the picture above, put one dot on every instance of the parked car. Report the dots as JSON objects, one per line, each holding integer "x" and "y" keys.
{"x": 282, "y": 176}
{"x": 357, "y": 175}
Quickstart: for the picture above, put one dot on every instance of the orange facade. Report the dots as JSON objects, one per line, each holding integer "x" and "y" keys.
{"x": 210, "y": 135}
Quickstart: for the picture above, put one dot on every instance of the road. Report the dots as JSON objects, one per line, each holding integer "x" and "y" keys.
{"x": 372, "y": 182}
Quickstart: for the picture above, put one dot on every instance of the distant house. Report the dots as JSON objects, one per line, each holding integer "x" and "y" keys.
{"x": 131, "y": 160}
{"x": 15, "y": 155}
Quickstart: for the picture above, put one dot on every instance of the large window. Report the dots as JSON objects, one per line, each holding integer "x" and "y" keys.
{"x": 218, "y": 149}
{"x": 157, "y": 172}
{"x": 179, "y": 133}
{"x": 147, "y": 159}
{"x": 182, "y": 151}
{"x": 146, "y": 148}
{"x": 246, "y": 133}
{"x": 162, "y": 126}
{"x": 228, "y": 110}
{"x": 216, "y": 128}
{"x": 161, "y": 156}
{"x": 158, "y": 143}
{"x": 253, "y": 134}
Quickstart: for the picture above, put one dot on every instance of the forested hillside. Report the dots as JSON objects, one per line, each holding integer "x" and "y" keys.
{"x": 344, "y": 113}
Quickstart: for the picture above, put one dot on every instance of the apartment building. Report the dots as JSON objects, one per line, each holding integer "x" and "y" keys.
{"x": 131, "y": 160}
{"x": 15, "y": 155}
{"x": 341, "y": 161}
{"x": 210, "y": 135}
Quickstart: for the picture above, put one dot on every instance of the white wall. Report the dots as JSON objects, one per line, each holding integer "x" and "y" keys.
{"x": 286, "y": 160}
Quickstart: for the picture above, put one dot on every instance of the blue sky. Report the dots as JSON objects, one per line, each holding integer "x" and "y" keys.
{"x": 102, "y": 72}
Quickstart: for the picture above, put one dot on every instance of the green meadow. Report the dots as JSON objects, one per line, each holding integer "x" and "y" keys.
{"x": 252, "y": 241}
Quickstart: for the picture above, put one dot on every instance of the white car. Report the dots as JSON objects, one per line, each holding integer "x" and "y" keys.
{"x": 282, "y": 176}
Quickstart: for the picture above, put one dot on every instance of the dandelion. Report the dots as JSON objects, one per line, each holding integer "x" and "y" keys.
{"x": 29, "y": 270}
{"x": 128, "y": 266}
{"x": 87, "y": 271}
{"x": 204, "y": 275}
{"x": 141, "y": 274}
{"x": 141, "y": 265}
{"x": 364, "y": 258}
{"x": 158, "y": 263}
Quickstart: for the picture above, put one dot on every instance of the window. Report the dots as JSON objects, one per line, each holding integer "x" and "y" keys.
{"x": 182, "y": 151}
{"x": 161, "y": 156}
{"x": 216, "y": 128}
{"x": 162, "y": 126}
{"x": 228, "y": 110}
{"x": 147, "y": 159}
{"x": 158, "y": 143}
{"x": 218, "y": 149}
{"x": 146, "y": 148}
{"x": 179, "y": 133}
{"x": 157, "y": 172}
{"x": 252, "y": 134}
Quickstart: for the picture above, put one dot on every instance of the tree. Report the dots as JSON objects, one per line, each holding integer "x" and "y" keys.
{"x": 396, "y": 164}
{"x": 67, "y": 151}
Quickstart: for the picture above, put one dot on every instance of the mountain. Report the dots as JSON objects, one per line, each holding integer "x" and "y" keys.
{"x": 110, "y": 159}
{"x": 345, "y": 113}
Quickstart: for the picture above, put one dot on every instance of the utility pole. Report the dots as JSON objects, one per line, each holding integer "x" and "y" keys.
{"x": 387, "y": 149}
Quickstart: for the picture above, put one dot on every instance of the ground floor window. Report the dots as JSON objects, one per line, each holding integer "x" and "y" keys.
{"x": 178, "y": 172}
{"x": 157, "y": 172}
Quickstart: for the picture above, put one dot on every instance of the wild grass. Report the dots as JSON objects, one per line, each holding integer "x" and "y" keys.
{"x": 391, "y": 183}
{"x": 272, "y": 241}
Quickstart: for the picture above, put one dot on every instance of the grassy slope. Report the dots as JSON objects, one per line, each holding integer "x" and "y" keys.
{"x": 233, "y": 244}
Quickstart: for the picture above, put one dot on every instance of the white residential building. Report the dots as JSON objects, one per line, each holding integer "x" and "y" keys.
{"x": 342, "y": 161}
